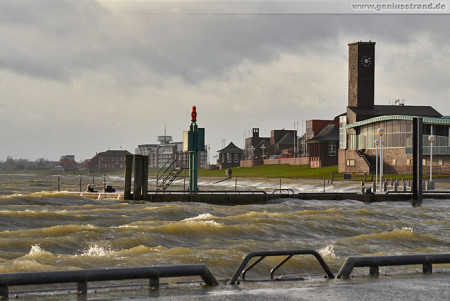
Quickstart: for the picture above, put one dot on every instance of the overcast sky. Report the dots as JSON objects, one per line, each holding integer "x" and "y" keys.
{"x": 80, "y": 77}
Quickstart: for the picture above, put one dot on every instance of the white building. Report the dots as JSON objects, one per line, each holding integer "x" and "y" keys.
{"x": 160, "y": 154}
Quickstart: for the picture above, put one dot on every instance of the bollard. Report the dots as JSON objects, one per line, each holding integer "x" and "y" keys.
{"x": 128, "y": 174}
{"x": 144, "y": 180}
{"x": 374, "y": 187}
{"x": 138, "y": 172}
{"x": 385, "y": 185}
{"x": 362, "y": 187}
{"x": 404, "y": 186}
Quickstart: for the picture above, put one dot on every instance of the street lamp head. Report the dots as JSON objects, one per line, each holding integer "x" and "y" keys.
{"x": 431, "y": 138}
{"x": 380, "y": 131}
{"x": 377, "y": 142}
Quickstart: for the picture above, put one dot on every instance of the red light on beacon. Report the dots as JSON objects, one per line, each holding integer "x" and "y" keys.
{"x": 194, "y": 114}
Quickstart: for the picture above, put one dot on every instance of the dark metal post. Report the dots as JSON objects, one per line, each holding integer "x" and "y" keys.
{"x": 417, "y": 159}
{"x": 144, "y": 177}
{"x": 137, "y": 189}
{"x": 59, "y": 181}
{"x": 128, "y": 172}
{"x": 80, "y": 183}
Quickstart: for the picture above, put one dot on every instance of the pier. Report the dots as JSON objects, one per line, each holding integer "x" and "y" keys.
{"x": 261, "y": 197}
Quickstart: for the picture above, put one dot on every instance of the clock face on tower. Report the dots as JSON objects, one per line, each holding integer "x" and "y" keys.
{"x": 366, "y": 61}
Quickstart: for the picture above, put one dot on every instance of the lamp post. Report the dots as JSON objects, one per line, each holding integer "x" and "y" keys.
{"x": 263, "y": 148}
{"x": 376, "y": 162}
{"x": 431, "y": 138}
{"x": 381, "y": 132}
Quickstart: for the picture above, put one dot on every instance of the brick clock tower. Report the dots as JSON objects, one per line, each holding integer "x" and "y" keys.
{"x": 361, "y": 75}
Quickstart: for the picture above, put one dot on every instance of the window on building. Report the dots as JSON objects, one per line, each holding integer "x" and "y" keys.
{"x": 331, "y": 149}
{"x": 229, "y": 160}
{"x": 394, "y": 161}
{"x": 342, "y": 132}
{"x": 440, "y": 162}
{"x": 350, "y": 162}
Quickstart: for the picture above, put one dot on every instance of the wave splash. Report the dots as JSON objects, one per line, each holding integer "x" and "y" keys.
{"x": 95, "y": 250}
{"x": 327, "y": 251}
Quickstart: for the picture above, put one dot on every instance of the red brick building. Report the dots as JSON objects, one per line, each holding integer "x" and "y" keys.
{"x": 323, "y": 145}
{"x": 359, "y": 141}
{"x": 111, "y": 160}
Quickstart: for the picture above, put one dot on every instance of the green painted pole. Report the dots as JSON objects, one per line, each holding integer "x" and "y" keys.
{"x": 193, "y": 159}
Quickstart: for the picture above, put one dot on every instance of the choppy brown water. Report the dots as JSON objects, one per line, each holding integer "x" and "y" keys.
{"x": 44, "y": 230}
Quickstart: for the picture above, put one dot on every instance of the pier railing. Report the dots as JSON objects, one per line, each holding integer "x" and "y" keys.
{"x": 374, "y": 262}
{"x": 82, "y": 277}
{"x": 209, "y": 192}
{"x": 241, "y": 271}
{"x": 154, "y": 273}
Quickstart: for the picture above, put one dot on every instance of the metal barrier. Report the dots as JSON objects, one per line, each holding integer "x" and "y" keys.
{"x": 81, "y": 277}
{"x": 289, "y": 191}
{"x": 374, "y": 262}
{"x": 209, "y": 192}
{"x": 263, "y": 254}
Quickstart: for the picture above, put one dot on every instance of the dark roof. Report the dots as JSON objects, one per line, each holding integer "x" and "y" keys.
{"x": 263, "y": 141}
{"x": 116, "y": 153}
{"x": 113, "y": 153}
{"x": 330, "y": 132}
{"x": 287, "y": 139}
{"x": 382, "y": 110}
{"x": 231, "y": 148}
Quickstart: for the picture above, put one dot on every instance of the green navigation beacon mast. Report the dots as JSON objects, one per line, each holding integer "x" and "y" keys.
{"x": 193, "y": 142}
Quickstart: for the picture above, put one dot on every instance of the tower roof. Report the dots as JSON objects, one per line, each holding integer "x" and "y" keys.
{"x": 231, "y": 148}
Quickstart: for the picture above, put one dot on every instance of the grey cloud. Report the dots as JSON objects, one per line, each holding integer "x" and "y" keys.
{"x": 62, "y": 39}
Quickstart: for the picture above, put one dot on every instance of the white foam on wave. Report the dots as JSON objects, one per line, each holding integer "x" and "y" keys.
{"x": 36, "y": 250}
{"x": 407, "y": 229}
{"x": 95, "y": 250}
{"x": 203, "y": 216}
{"x": 327, "y": 251}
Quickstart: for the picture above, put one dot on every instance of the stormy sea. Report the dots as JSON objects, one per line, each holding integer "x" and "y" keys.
{"x": 43, "y": 229}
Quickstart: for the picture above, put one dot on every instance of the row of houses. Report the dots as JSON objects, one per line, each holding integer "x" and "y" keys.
{"x": 352, "y": 139}
{"x": 160, "y": 155}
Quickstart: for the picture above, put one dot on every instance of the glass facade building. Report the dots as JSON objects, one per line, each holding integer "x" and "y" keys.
{"x": 398, "y": 133}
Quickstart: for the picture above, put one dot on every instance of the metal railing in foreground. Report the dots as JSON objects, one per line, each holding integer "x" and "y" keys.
{"x": 374, "y": 262}
{"x": 82, "y": 277}
{"x": 241, "y": 271}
